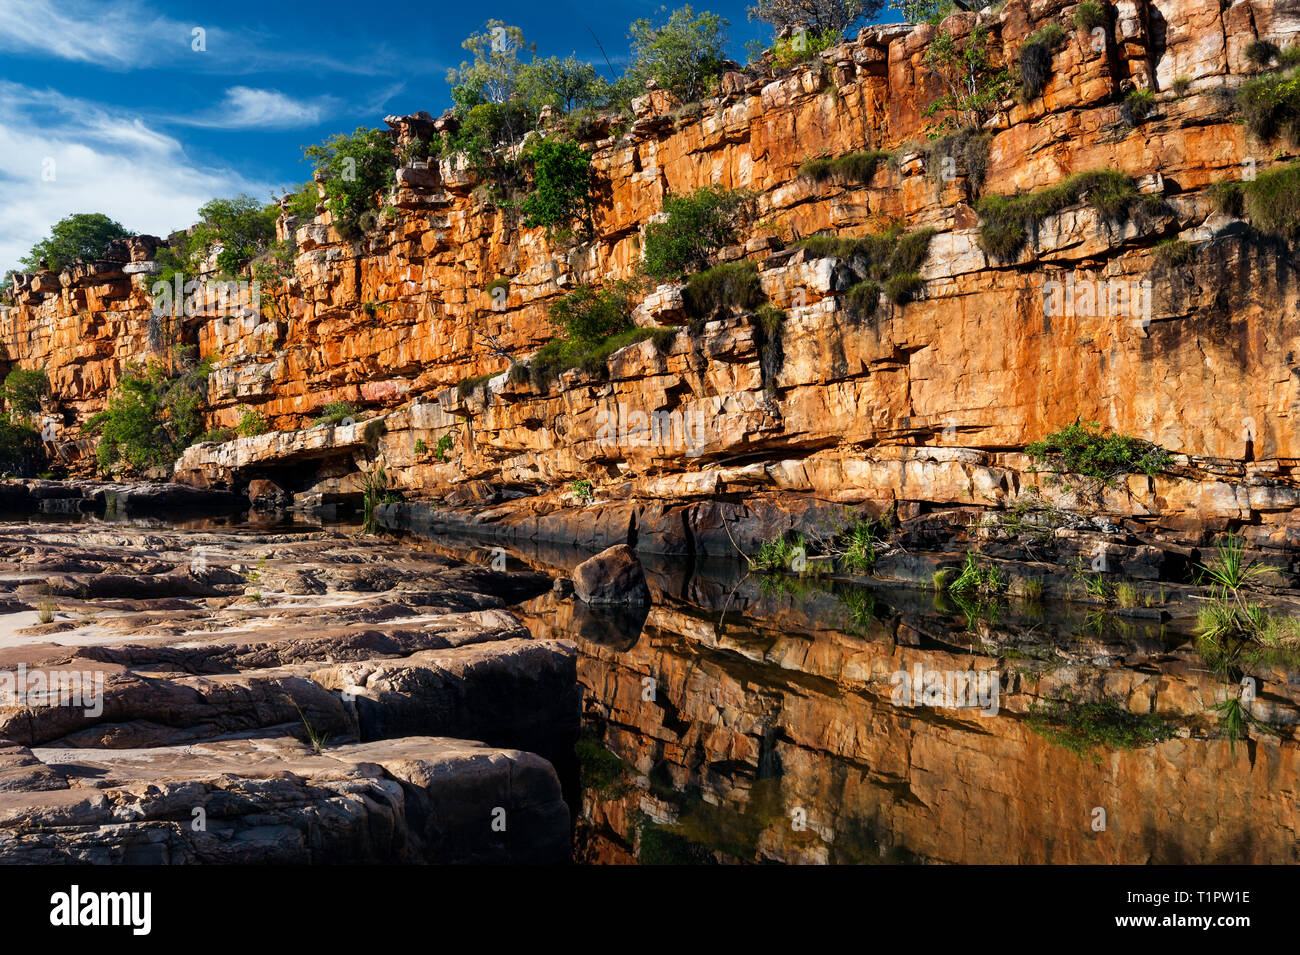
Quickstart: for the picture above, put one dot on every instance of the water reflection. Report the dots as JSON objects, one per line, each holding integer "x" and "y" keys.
{"x": 745, "y": 720}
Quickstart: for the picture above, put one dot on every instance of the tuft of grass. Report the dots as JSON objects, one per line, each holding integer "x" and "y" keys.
{"x": 1181, "y": 85}
{"x": 468, "y": 386}
{"x": 862, "y": 300}
{"x": 901, "y": 289}
{"x": 336, "y": 411}
{"x": 968, "y": 148}
{"x": 857, "y": 167}
{"x": 1033, "y": 590}
{"x": 317, "y": 740}
{"x": 1084, "y": 728}
{"x": 730, "y": 285}
{"x": 1262, "y": 52}
{"x": 1137, "y": 106}
{"x": 1036, "y": 58}
{"x": 943, "y": 578}
{"x": 45, "y": 610}
{"x": 1089, "y": 15}
{"x": 976, "y": 579}
{"x": 1126, "y": 595}
{"x": 1270, "y": 202}
{"x": 1172, "y": 253}
{"x": 1006, "y": 222}
{"x": 1270, "y": 106}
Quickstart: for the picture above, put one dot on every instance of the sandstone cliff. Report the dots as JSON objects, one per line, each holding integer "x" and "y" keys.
{"x": 928, "y": 404}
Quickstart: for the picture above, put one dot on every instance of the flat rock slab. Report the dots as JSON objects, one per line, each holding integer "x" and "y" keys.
{"x": 315, "y": 697}
{"x": 272, "y": 800}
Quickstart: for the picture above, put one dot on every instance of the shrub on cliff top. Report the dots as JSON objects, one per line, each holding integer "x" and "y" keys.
{"x": 82, "y": 236}
{"x": 857, "y": 167}
{"x": 1270, "y": 201}
{"x": 354, "y": 168}
{"x": 1006, "y": 222}
{"x": 803, "y": 45}
{"x": 697, "y": 226}
{"x": 682, "y": 55}
{"x": 816, "y": 15}
{"x": 243, "y": 226}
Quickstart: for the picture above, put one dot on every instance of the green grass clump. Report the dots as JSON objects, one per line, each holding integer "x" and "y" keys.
{"x": 1270, "y": 202}
{"x": 1036, "y": 58}
{"x": 336, "y": 411}
{"x": 1089, "y": 15}
{"x": 1174, "y": 252}
{"x": 857, "y": 167}
{"x": 976, "y": 579}
{"x": 1007, "y": 221}
{"x": 730, "y": 285}
{"x": 252, "y": 423}
{"x": 1082, "y": 448}
{"x": 558, "y": 356}
{"x": 1270, "y": 106}
{"x": 1084, "y": 728}
{"x": 968, "y": 147}
{"x": 862, "y": 300}
{"x": 1137, "y": 106}
{"x": 468, "y": 386}
{"x": 902, "y": 288}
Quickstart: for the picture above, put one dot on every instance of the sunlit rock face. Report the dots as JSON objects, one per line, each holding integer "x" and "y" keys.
{"x": 1197, "y": 357}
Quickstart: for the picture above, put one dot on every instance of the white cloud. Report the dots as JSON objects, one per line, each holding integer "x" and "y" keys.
{"x": 247, "y": 108}
{"x": 102, "y": 161}
{"x": 127, "y": 34}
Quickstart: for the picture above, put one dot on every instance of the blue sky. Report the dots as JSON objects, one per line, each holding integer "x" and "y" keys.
{"x": 105, "y": 106}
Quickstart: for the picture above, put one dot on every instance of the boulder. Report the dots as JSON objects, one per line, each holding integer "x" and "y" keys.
{"x": 266, "y": 495}
{"x": 614, "y": 576}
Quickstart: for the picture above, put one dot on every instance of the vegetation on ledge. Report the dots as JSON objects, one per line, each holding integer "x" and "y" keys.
{"x": 1270, "y": 202}
{"x": 857, "y": 167}
{"x": 1083, "y": 449}
{"x": 1006, "y": 222}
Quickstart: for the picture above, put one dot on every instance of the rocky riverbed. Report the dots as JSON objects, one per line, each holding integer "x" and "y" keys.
{"x": 267, "y": 696}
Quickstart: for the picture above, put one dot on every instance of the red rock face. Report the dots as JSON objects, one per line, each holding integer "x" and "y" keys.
{"x": 878, "y": 409}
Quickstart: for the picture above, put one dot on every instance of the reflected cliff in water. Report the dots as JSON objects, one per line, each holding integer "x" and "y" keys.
{"x": 746, "y": 720}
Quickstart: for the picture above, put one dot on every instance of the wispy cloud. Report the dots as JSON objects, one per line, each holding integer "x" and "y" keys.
{"x": 248, "y": 108}
{"x": 60, "y": 155}
{"x": 128, "y": 34}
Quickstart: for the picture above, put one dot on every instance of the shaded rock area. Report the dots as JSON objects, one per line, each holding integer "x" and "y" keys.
{"x": 614, "y": 576}
{"x": 134, "y": 499}
{"x": 306, "y": 697}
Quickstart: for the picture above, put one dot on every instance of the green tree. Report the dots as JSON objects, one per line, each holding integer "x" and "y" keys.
{"x": 561, "y": 185}
{"x": 564, "y": 84}
{"x": 81, "y": 236}
{"x": 697, "y": 226}
{"x": 973, "y": 89}
{"x": 590, "y": 315}
{"x": 816, "y": 15}
{"x": 354, "y": 169}
{"x": 24, "y": 389}
{"x": 682, "y": 56}
{"x": 493, "y": 74}
{"x": 923, "y": 11}
{"x": 243, "y": 226}
{"x": 152, "y": 415}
